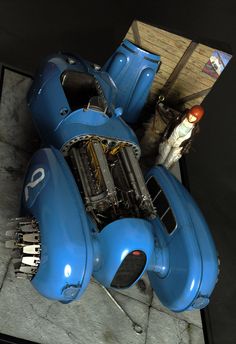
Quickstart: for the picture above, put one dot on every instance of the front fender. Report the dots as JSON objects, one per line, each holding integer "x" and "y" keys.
{"x": 51, "y": 196}
{"x": 193, "y": 266}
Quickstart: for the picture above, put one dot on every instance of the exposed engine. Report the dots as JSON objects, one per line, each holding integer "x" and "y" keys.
{"x": 100, "y": 219}
{"x": 25, "y": 242}
{"x": 110, "y": 180}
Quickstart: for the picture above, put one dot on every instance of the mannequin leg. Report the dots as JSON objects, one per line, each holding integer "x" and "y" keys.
{"x": 173, "y": 156}
{"x": 164, "y": 150}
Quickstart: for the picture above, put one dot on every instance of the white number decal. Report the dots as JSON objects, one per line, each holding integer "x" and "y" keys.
{"x": 40, "y": 171}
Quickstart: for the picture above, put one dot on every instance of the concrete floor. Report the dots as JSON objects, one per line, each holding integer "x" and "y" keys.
{"x": 95, "y": 318}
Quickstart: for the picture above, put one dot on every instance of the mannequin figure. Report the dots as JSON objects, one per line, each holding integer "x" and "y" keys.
{"x": 170, "y": 150}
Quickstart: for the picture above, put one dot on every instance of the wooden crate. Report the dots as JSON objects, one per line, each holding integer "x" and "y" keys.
{"x": 180, "y": 77}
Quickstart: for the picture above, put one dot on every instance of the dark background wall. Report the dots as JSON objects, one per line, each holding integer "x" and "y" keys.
{"x": 30, "y": 30}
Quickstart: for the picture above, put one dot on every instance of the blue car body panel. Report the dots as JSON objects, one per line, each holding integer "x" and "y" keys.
{"x": 115, "y": 244}
{"x": 190, "y": 246}
{"x": 67, "y": 254}
{"x": 82, "y": 123}
{"x": 47, "y": 99}
{"x": 133, "y": 70}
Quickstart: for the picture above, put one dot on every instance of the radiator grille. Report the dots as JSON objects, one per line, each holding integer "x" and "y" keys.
{"x": 129, "y": 270}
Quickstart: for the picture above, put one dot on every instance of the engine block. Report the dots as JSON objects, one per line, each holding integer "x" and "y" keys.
{"x": 110, "y": 180}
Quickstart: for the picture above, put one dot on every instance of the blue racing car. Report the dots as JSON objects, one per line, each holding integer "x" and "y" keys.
{"x": 86, "y": 207}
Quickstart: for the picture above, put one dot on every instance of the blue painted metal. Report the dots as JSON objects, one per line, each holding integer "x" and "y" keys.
{"x": 116, "y": 241}
{"x": 46, "y": 100}
{"x": 182, "y": 266}
{"x": 47, "y": 96}
{"x": 67, "y": 254}
{"x": 87, "y": 122}
{"x": 133, "y": 70}
{"x": 190, "y": 260}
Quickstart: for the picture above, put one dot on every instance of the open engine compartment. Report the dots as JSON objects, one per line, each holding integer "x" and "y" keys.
{"x": 110, "y": 180}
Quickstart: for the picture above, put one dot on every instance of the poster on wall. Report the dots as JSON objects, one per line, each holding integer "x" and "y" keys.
{"x": 216, "y": 63}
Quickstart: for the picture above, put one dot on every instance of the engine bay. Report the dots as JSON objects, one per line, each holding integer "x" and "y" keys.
{"x": 110, "y": 180}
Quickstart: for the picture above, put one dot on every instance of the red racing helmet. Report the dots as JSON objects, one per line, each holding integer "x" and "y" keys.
{"x": 197, "y": 111}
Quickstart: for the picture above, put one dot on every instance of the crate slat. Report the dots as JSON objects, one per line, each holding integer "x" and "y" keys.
{"x": 190, "y": 77}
